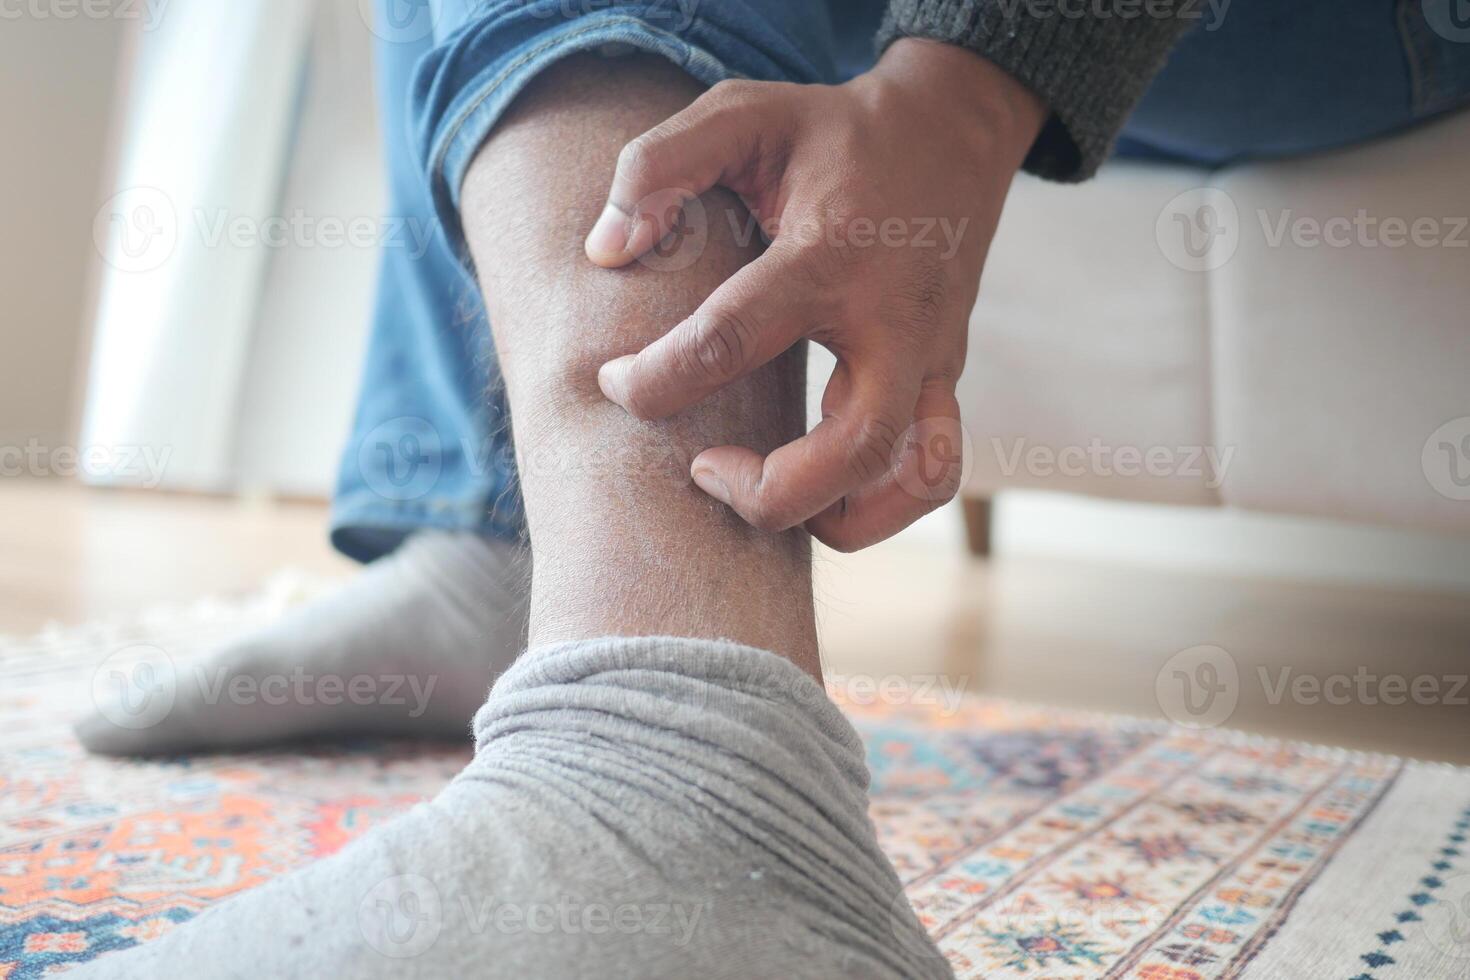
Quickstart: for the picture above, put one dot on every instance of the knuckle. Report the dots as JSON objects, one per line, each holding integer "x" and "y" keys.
{"x": 821, "y": 266}
{"x": 872, "y": 446}
{"x": 948, "y": 371}
{"x": 718, "y": 347}
{"x": 732, "y": 91}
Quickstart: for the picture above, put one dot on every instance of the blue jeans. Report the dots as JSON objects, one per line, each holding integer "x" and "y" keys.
{"x": 430, "y": 445}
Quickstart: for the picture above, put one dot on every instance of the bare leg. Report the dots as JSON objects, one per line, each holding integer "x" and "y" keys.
{"x": 713, "y": 782}
{"x": 622, "y": 541}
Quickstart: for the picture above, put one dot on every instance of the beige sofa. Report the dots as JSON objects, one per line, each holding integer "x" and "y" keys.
{"x": 1291, "y": 336}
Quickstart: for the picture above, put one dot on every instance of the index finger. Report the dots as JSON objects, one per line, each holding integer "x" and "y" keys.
{"x": 752, "y": 318}
{"x": 677, "y": 160}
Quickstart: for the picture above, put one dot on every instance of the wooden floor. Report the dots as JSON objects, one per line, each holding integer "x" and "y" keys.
{"x": 1315, "y": 662}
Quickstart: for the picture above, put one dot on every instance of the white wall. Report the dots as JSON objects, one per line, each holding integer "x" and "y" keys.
{"x": 230, "y": 343}
{"x": 56, "y": 96}
{"x": 212, "y": 100}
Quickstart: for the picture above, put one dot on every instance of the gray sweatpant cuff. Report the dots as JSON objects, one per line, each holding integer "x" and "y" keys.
{"x": 734, "y": 741}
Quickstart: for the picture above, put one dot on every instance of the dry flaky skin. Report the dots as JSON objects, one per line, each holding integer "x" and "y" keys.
{"x": 623, "y": 542}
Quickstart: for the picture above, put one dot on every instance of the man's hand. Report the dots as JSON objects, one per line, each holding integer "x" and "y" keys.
{"x": 880, "y": 198}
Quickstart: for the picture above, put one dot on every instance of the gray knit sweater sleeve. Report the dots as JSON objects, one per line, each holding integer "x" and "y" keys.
{"x": 1089, "y": 62}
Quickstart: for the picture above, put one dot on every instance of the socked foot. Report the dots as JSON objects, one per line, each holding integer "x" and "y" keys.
{"x": 408, "y": 647}
{"x": 636, "y": 807}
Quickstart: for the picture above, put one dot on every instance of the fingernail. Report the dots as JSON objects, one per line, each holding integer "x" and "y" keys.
{"x": 712, "y": 485}
{"x": 609, "y": 237}
{"x": 612, "y": 378}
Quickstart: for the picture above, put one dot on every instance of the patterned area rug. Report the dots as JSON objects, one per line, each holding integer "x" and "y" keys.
{"x": 1034, "y": 843}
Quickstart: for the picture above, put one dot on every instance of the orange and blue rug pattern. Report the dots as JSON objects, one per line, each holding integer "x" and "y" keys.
{"x": 1034, "y": 843}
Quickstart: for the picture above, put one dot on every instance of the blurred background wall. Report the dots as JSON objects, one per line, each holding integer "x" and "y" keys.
{"x": 240, "y": 358}
{"x": 57, "y": 96}
{"x": 233, "y": 303}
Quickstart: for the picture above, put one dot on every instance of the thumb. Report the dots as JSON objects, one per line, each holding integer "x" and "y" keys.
{"x": 708, "y": 143}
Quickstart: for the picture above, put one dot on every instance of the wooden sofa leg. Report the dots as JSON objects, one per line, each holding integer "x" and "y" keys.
{"x": 977, "y": 525}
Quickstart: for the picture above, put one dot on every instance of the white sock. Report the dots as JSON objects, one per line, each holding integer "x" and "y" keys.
{"x": 409, "y": 646}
